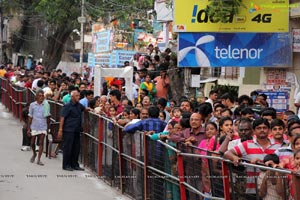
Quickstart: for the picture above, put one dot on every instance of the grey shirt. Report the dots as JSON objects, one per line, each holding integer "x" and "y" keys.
{"x": 36, "y": 112}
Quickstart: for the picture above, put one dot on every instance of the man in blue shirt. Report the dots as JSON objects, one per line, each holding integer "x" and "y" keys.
{"x": 69, "y": 129}
{"x": 89, "y": 95}
{"x": 153, "y": 123}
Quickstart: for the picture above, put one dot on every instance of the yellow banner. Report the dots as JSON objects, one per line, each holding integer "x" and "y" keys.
{"x": 256, "y": 16}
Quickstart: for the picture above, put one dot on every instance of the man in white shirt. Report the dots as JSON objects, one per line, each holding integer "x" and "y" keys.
{"x": 213, "y": 95}
{"x": 38, "y": 77}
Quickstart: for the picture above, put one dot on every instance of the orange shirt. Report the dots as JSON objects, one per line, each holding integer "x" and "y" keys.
{"x": 2, "y": 72}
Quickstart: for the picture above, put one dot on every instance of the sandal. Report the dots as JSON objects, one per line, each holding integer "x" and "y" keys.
{"x": 32, "y": 158}
{"x": 40, "y": 163}
{"x": 53, "y": 155}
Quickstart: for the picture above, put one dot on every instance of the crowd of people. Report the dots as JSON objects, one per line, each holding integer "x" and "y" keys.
{"x": 245, "y": 128}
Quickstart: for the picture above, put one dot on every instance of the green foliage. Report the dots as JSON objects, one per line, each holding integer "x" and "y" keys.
{"x": 220, "y": 9}
{"x": 222, "y": 89}
{"x": 62, "y": 12}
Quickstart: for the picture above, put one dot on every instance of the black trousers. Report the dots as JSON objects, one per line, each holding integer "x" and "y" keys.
{"x": 71, "y": 149}
{"x": 26, "y": 141}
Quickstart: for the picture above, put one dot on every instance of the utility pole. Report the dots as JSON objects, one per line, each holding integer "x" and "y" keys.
{"x": 81, "y": 20}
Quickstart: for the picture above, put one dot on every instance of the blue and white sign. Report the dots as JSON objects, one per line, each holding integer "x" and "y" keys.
{"x": 103, "y": 59}
{"x": 91, "y": 60}
{"x": 103, "y": 39}
{"x": 114, "y": 59}
{"x": 277, "y": 100}
{"x": 234, "y": 50}
{"x": 122, "y": 56}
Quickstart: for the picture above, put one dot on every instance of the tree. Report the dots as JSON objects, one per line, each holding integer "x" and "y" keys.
{"x": 62, "y": 15}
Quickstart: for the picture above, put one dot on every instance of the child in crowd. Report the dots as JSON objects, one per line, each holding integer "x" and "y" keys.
{"x": 211, "y": 129}
{"x": 162, "y": 115}
{"x": 176, "y": 114}
{"x": 124, "y": 118}
{"x": 112, "y": 111}
{"x": 269, "y": 182}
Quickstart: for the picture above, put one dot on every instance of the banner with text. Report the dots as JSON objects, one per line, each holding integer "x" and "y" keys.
{"x": 113, "y": 60}
{"x": 254, "y": 16}
{"x": 103, "y": 41}
{"x": 234, "y": 50}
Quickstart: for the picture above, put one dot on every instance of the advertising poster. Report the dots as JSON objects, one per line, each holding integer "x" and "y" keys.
{"x": 234, "y": 50}
{"x": 277, "y": 100}
{"x": 254, "y": 16}
{"x": 296, "y": 40}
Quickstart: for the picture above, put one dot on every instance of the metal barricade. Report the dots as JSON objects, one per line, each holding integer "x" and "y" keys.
{"x": 30, "y": 95}
{"x": 4, "y": 92}
{"x": 90, "y": 142}
{"x": 55, "y": 109}
{"x": 161, "y": 169}
{"x": 110, "y": 170}
{"x": 132, "y": 160}
{"x": 18, "y": 101}
{"x": 147, "y": 169}
{"x": 202, "y": 173}
{"x": 239, "y": 183}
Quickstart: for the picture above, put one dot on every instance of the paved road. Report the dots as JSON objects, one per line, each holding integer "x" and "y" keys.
{"x": 22, "y": 180}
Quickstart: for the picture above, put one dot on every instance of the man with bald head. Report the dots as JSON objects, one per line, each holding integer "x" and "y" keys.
{"x": 69, "y": 129}
{"x": 193, "y": 135}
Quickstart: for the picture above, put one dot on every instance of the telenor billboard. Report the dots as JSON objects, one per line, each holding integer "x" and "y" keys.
{"x": 234, "y": 50}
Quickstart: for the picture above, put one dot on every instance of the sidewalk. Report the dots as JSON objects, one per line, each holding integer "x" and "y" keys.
{"x": 20, "y": 179}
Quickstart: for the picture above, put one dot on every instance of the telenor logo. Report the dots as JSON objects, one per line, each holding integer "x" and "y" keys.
{"x": 201, "y": 59}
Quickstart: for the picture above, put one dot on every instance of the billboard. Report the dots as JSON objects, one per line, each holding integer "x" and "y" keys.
{"x": 256, "y": 16}
{"x": 234, "y": 50}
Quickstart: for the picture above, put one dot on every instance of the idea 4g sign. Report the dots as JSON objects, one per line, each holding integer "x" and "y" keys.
{"x": 254, "y": 16}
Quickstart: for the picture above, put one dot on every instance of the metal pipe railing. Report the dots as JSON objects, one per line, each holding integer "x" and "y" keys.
{"x": 16, "y": 102}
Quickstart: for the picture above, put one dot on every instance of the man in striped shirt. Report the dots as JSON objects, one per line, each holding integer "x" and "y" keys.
{"x": 254, "y": 151}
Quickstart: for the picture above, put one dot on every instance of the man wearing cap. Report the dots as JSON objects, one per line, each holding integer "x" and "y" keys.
{"x": 162, "y": 82}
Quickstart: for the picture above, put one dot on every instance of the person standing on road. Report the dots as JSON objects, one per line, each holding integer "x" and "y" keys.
{"x": 38, "y": 123}
{"x": 69, "y": 129}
